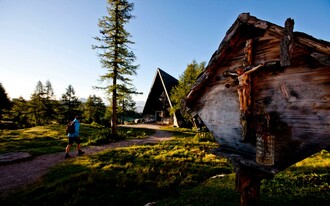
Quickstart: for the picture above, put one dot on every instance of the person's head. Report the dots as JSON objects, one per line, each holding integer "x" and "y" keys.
{"x": 240, "y": 71}
{"x": 78, "y": 118}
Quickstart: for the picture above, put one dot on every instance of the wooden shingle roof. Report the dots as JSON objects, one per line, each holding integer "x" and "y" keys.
{"x": 247, "y": 26}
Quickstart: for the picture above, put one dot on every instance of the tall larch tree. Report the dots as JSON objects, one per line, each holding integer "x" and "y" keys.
{"x": 115, "y": 54}
{"x": 37, "y": 104}
{"x": 50, "y": 103}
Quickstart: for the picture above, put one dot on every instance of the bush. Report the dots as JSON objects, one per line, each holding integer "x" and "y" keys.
{"x": 136, "y": 133}
{"x": 95, "y": 124}
{"x": 102, "y": 137}
{"x": 204, "y": 137}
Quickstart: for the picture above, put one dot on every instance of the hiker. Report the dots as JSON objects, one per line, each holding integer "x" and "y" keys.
{"x": 74, "y": 137}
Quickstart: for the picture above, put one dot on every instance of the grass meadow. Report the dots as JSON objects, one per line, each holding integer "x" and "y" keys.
{"x": 181, "y": 171}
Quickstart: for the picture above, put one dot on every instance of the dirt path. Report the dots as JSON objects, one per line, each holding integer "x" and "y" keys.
{"x": 20, "y": 174}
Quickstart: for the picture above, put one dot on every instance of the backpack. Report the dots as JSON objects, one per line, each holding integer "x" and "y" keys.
{"x": 70, "y": 128}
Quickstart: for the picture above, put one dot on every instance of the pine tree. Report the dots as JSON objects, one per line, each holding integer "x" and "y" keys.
{"x": 49, "y": 92}
{"x": 20, "y": 112}
{"x": 115, "y": 54}
{"x": 37, "y": 104}
{"x": 186, "y": 81}
{"x": 50, "y": 103}
{"x": 42, "y": 104}
{"x": 5, "y": 103}
{"x": 70, "y": 104}
{"x": 94, "y": 109}
{"x": 126, "y": 106}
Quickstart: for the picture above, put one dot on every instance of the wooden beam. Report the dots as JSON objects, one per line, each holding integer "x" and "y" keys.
{"x": 317, "y": 45}
{"x": 248, "y": 57}
{"x": 287, "y": 43}
{"x": 321, "y": 58}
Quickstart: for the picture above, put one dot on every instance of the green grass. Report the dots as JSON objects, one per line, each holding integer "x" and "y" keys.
{"x": 35, "y": 140}
{"x": 135, "y": 133}
{"x": 305, "y": 183}
{"x": 52, "y": 138}
{"x": 127, "y": 176}
{"x": 176, "y": 172}
{"x": 217, "y": 190}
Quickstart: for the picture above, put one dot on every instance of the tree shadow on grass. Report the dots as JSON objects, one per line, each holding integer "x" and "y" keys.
{"x": 125, "y": 176}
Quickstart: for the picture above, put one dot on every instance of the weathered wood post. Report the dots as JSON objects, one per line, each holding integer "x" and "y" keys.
{"x": 248, "y": 185}
{"x": 287, "y": 43}
{"x": 248, "y": 182}
{"x": 249, "y": 175}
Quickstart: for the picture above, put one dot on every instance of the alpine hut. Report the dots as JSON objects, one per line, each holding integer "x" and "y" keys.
{"x": 158, "y": 104}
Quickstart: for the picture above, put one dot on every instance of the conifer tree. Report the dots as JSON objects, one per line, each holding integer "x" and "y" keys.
{"x": 115, "y": 54}
{"x": 5, "y": 103}
{"x": 186, "y": 81}
{"x": 20, "y": 112}
{"x": 94, "y": 109}
{"x": 50, "y": 103}
{"x": 126, "y": 106}
{"x": 42, "y": 104}
{"x": 70, "y": 104}
{"x": 37, "y": 104}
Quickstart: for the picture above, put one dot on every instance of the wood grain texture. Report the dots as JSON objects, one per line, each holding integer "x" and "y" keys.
{"x": 294, "y": 98}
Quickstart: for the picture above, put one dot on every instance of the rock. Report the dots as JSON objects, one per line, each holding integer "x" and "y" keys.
{"x": 10, "y": 157}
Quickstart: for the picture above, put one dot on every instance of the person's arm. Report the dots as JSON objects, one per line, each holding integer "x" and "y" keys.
{"x": 254, "y": 68}
{"x": 230, "y": 74}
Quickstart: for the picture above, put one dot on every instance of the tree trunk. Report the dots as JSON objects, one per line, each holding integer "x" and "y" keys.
{"x": 114, "y": 131}
{"x": 115, "y": 73}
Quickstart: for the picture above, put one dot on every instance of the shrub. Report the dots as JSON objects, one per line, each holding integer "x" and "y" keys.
{"x": 95, "y": 124}
{"x": 102, "y": 137}
{"x": 204, "y": 137}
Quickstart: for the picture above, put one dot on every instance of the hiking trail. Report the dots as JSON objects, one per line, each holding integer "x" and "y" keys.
{"x": 20, "y": 174}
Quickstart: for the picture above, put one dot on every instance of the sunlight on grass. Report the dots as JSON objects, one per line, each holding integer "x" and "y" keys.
{"x": 135, "y": 174}
{"x": 305, "y": 183}
{"x": 52, "y": 138}
{"x": 321, "y": 159}
{"x": 177, "y": 172}
{"x": 35, "y": 140}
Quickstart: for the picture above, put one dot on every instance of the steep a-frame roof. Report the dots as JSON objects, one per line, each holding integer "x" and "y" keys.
{"x": 163, "y": 83}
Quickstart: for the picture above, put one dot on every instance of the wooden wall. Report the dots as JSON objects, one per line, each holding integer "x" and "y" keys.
{"x": 297, "y": 99}
{"x": 298, "y": 102}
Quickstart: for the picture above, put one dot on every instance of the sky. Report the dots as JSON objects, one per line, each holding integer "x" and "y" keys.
{"x": 52, "y": 40}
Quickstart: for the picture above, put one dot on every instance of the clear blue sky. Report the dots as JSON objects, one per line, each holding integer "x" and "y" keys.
{"x": 51, "y": 39}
